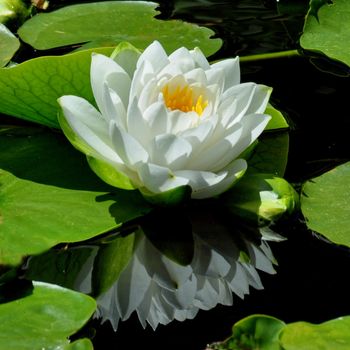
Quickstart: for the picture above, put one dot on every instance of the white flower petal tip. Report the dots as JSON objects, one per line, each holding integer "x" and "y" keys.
{"x": 167, "y": 121}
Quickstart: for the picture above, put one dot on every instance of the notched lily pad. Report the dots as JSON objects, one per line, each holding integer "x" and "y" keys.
{"x": 131, "y": 21}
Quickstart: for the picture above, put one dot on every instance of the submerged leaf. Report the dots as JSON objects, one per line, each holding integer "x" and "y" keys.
{"x": 130, "y": 21}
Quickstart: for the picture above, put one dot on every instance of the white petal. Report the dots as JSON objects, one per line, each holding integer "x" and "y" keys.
{"x": 127, "y": 147}
{"x": 143, "y": 74}
{"x": 214, "y": 184}
{"x": 260, "y": 99}
{"x": 197, "y": 76}
{"x": 243, "y": 94}
{"x": 149, "y": 94}
{"x": 106, "y": 71}
{"x": 113, "y": 107}
{"x": 89, "y": 125}
{"x": 156, "y": 117}
{"x": 159, "y": 179}
{"x": 197, "y": 135}
{"x": 214, "y": 155}
{"x": 137, "y": 126}
{"x": 182, "y": 59}
{"x": 155, "y": 55}
{"x": 253, "y": 277}
{"x": 170, "y": 151}
{"x": 216, "y": 77}
{"x": 231, "y": 71}
{"x": 199, "y": 58}
{"x": 179, "y": 121}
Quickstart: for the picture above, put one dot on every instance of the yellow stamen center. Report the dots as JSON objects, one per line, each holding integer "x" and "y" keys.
{"x": 182, "y": 99}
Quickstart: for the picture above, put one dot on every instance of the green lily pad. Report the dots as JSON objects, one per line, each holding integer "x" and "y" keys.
{"x": 49, "y": 195}
{"x": 326, "y": 204}
{"x": 44, "y": 319}
{"x": 30, "y": 90}
{"x": 9, "y": 44}
{"x": 253, "y": 332}
{"x": 329, "y": 32}
{"x": 268, "y": 333}
{"x": 270, "y": 156}
{"x": 333, "y": 334}
{"x": 130, "y": 21}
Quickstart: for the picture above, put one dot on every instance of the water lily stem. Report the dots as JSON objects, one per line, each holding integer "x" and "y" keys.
{"x": 268, "y": 56}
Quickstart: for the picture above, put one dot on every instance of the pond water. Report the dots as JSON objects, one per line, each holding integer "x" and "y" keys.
{"x": 312, "y": 93}
{"x": 309, "y": 283}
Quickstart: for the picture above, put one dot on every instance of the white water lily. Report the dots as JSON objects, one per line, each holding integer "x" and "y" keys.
{"x": 165, "y": 122}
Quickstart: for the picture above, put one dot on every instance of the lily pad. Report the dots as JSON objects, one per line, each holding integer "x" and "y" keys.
{"x": 44, "y": 319}
{"x": 268, "y": 333}
{"x": 329, "y": 32}
{"x": 326, "y": 204}
{"x": 30, "y": 90}
{"x": 131, "y": 21}
{"x": 333, "y": 334}
{"x": 9, "y": 44}
{"x": 49, "y": 195}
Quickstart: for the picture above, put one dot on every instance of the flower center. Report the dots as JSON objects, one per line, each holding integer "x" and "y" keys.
{"x": 183, "y": 98}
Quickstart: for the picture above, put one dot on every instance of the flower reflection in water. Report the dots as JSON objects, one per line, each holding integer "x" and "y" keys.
{"x": 161, "y": 290}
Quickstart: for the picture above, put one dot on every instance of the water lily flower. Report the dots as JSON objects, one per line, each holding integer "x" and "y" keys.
{"x": 166, "y": 123}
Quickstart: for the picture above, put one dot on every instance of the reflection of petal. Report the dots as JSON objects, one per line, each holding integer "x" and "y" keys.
{"x": 160, "y": 290}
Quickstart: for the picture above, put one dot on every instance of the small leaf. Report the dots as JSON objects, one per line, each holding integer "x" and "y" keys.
{"x": 326, "y": 204}
{"x": 130, "y": 21}
{"x": 44, "y": 319}
{"x": 9, "y": 44}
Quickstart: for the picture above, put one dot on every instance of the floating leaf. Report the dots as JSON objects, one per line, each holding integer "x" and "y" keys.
{"x": 30, "y": 90}
{"x": 270, "y": 155}
{"x": 44, "y": 319}
{"x": 326, "y": 204}
{"x": 253, "y": 332}
{"x": 268, "y": 333}
{"x": 9, "y": 44}
{"x": 49, "y": 195}
{"x": 330, "y": 32}
{"x": 130, "y": 21}
{"x": 333, "y": 334}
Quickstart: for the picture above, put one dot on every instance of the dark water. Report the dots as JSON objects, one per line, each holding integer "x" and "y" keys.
{"x": 310, "y": 284}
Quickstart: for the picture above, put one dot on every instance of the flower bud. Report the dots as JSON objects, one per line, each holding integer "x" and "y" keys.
{"x": 261, "y": 198}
